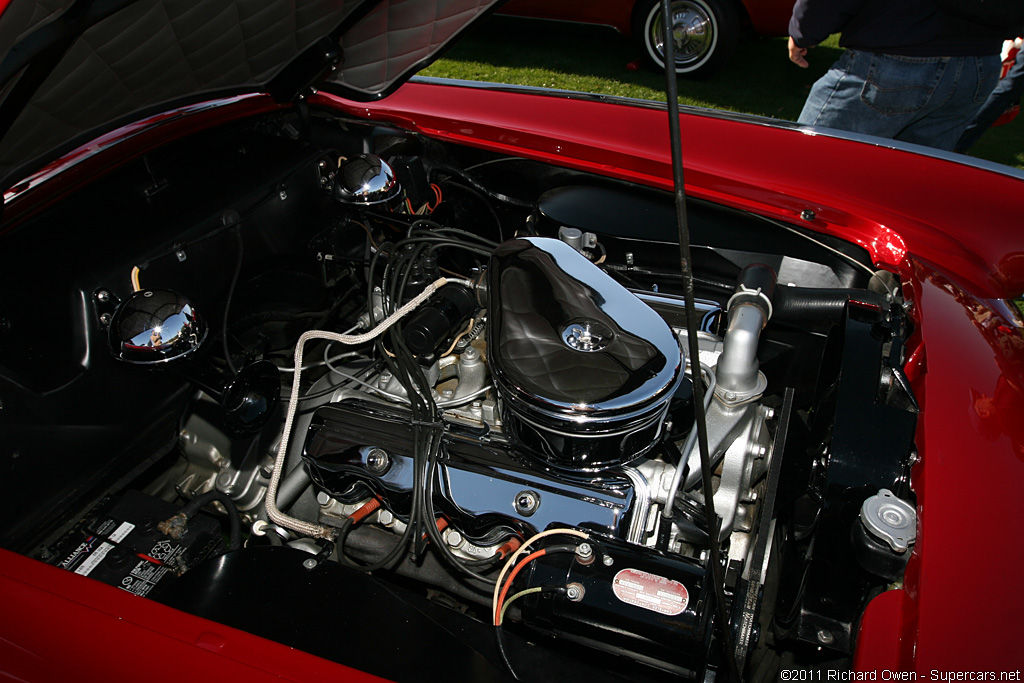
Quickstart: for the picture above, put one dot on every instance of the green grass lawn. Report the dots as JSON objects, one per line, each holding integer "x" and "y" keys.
{"x": 759, "y": 80}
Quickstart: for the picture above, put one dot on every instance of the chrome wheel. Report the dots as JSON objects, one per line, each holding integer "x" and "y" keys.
{"x": 704, "y": 34}
{"x": 693, "y": 31}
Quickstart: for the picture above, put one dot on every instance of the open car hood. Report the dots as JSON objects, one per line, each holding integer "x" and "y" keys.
{"x": 74, "y": 68}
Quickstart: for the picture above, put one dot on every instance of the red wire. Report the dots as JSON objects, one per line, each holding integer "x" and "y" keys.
{"x": 508, "y": 583}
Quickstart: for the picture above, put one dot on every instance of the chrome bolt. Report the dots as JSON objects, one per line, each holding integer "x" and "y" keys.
{"x": 825, "y": 637}
{"x": 808, "y": 215}
{"x": 323, "y": 498}
{"x": 283, "y": 195}
{"x": 453, "y": 538}
{"x": 385, "y": 518}
{"x": 607, "y": 560}
{"x": 527, "y": 502}
{"x": 378, "y": 461}
{"x": 105, "y": 319}
{"x": 584, "y": 553}
{"x": 103, "y": 296}
{"x": 629, "y": 258}
{"x": 181, "y": 255}
{"x": 309, "y": 564}
{"x": 574, "y": 592}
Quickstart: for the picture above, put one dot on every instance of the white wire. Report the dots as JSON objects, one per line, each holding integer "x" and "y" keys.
{"x": 353, "y": 378}
{"x": 273, "y": 512}
{"x": 522, "y": 549}
{"x": 463, "y": 399}
{"x": 325, "y": 361}
{"x": 691, "y": 439}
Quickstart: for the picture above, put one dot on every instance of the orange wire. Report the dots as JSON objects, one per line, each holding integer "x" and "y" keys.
{"x": 508, "y": 584}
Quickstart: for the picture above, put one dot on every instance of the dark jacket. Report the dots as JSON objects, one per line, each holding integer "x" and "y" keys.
{"x": 902, "y": 27}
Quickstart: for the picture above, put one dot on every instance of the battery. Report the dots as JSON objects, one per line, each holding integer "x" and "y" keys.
{"x": 119, "y": 544}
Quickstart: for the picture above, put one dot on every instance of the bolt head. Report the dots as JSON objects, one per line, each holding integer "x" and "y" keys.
{"x": 309, "y": 564}
{"x": 527, "y": 502}
{"x": 103, "y": 296}
{"x": 453, "y": 538}
{"x": 378, "y": 461}
{"x": 825, "y": 637}
{"x": 574, "y": 592}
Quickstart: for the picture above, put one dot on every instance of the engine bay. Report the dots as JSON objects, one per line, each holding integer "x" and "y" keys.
{"x": 410, "y": 381}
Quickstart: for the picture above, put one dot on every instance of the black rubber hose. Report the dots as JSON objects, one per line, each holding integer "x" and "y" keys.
{"x": 803, "y": 304}
{"x": 756, "y": 283}
{"x": 204, "y": 499}
{"x": 292, "y": 486}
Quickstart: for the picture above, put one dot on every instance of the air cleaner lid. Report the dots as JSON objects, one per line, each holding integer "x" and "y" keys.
{"x": 564, "y": 338}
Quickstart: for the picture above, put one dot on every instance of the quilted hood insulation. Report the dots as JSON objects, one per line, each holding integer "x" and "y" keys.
{"x": 73, "y": 69}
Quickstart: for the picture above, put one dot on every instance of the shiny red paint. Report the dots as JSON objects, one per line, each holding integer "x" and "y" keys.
{"x": 959, "y": 609}
{"x": 617, "y": 14}
{"x": 768, "y": 17}
{"x": 892, "y": 201}
{"x": 83, "y": 164}
{"x": 106, "y": 634}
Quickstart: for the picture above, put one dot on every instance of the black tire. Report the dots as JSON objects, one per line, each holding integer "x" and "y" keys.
{"x": 707, "y": 32}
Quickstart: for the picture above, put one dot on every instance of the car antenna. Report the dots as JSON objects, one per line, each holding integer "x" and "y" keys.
{"x": 683, "y": 226}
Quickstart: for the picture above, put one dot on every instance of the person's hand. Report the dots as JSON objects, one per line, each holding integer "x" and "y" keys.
{"x": 798, "y": 55}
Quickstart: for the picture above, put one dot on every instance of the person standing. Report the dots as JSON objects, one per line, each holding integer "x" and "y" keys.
{"x": 910, "y": 71}
{"x": 1006, "y": 94}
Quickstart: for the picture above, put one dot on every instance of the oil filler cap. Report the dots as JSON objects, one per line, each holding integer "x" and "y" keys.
{"x": 890, "y": 520}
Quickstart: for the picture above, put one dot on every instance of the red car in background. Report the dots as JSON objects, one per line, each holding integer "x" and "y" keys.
{"x": 706, "y": 31}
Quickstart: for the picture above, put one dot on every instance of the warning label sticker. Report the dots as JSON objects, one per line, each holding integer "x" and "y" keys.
{"x": 651, "y": 592}
{"x": 94, "y": 559}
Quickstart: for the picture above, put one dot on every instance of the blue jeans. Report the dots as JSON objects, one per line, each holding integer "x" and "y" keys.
{"x": 1006, "y": 94}
{"x": 925, "y": 100}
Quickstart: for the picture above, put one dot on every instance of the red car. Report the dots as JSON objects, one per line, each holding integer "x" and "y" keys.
{"x": 309, "y": 371}
{"x": 705, "y": 31}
